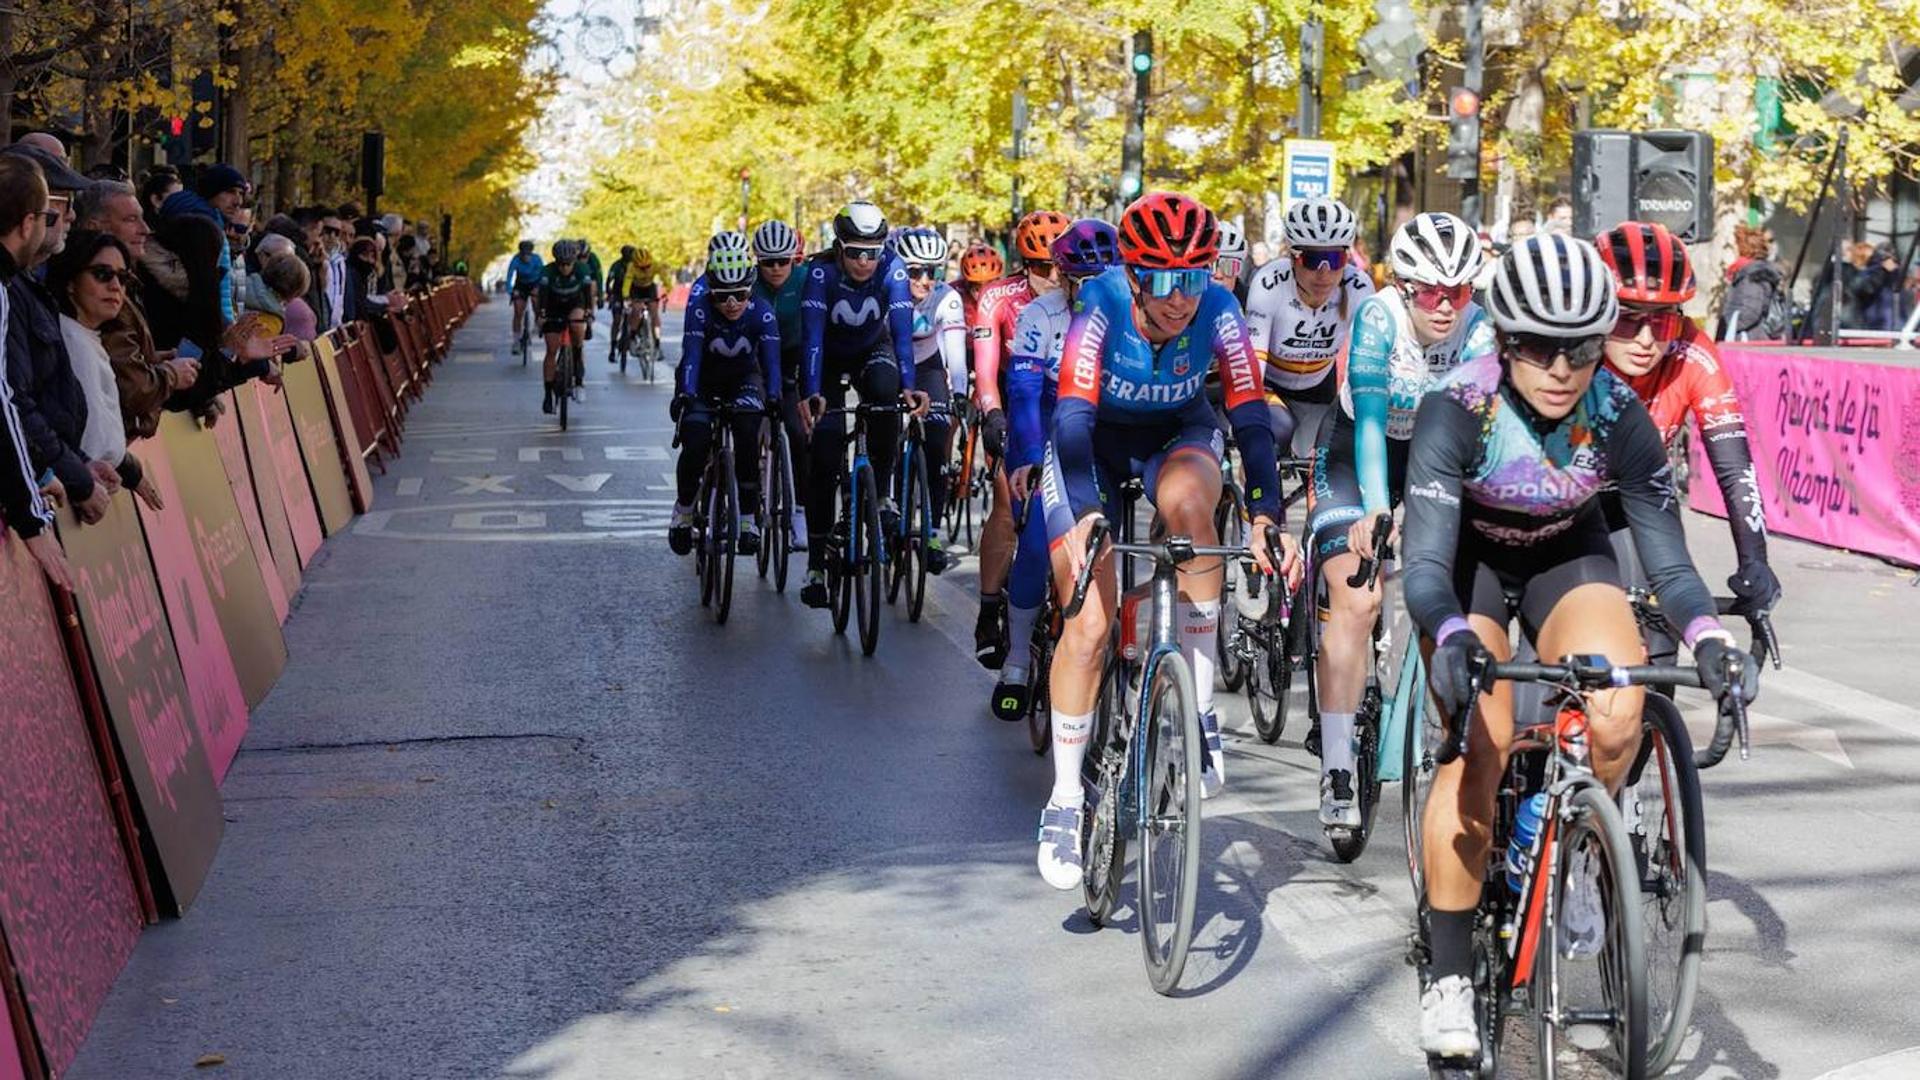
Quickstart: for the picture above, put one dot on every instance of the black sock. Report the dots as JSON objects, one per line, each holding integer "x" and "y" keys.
{"x": 1450, "y": 936}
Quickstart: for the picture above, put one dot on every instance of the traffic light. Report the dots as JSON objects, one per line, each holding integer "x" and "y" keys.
{"x": 1463, "y": 134}
{"x": 1133, "y": 142}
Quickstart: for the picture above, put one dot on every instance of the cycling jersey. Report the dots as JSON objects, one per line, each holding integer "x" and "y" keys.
{"x": 844, "y": 317}
{"x": 617, "y": 278}
{"x": 1033, "y": 384}
{"x": 1388, "y": 371}
{"x": 1487, "y": 474}
{"x": 940, "y": 333}
{"x": 592, "y": 264}
{"x": 1296, "y": 344}
{"x": 1111, "y": 375}
{"x": 524, "y": 272}
{"x": 558, "y": 295}
{"x": 730, "y": 353}
{"x": 785, "y": 302}
{"x": 1001, "y": 302}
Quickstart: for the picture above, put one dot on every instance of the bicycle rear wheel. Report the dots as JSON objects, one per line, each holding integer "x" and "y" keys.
{"x": 1230, "y": 524}
{"x": 1270, "y": 683}
{"x": 1105, "y": 772}
{"x": 1591, "y": 1013}
{"x": 870, "y": 567}
{"x": 765, "y": 512}
{"x": 723, "y": 534}
{"x": 1169, "y": 824}
{"x": 1039, "y": 696}
{"x": 564, "y": 378}
{"x": 1666, "y": 823}
{"x": 1349, "y": 843}
{"x": 920, "y": 526}
{"x": 778, "y": 535}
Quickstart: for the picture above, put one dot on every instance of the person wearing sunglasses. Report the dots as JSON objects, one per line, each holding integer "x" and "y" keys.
{"x": 562, "y": 300}
{"x": 1133, "y": 367}
{"x": 729, "y": 351}
{"x": 1230, "y": 269}
{"x": 1510, "y": 452}
{"x": 1001, "y": 303}
{"x": 1087, "y": 249}
{"x": 776, "y": 253}
{"x": 1403, "y": 339}
{"x": 856, "y": 314}
{"x": 90, "y": 281}
{"x": 1675, "y": 368}
{"x": 939, "y": 357}
{"x": 1298, "y": 311}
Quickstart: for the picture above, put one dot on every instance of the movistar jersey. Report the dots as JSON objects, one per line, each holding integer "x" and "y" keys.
{"x": 845, "y": 317}
{"x": 734, "y": 349}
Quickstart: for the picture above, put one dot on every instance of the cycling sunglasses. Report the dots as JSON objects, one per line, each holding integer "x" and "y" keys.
{"x": 1321, "y": 258}
{"x": 738, "y": 296}
{"x": 1542, "y": 352}
{"x": 861, "y": 254}
{"x": 1229, "y": 268}
{"x": 1665, "y": 322}
{"x": 775, "y": 264}
{"x": 922, "y": 273}
{"x": 1429, "y": 297}
{"x": 1161, "y": 284}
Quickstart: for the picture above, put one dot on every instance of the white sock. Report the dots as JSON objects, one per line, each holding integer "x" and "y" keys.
{"x": 1199, "y": 636}
{"x": 1070, "y": 735}
{"x": 1336, "y": 741}
{"x": 1019, "y": 631}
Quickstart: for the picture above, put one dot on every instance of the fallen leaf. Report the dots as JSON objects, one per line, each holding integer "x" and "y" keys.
{"x": 208, "y": 1061}
{"x": 723, "y": 1008}
{"x": 169, "y": 1001}
{"x": 424, "y": 779}
{"x": 548, "y": 805}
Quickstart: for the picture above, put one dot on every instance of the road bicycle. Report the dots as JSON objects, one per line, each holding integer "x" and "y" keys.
{"x": 856, "y": 562}
{"x": 912, "y": 535}
{"x": 716, "y": 513}
{"x": 776, "y": 501}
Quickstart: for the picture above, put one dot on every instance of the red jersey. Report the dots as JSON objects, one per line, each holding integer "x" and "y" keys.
{"x": 1690, "y": 379}
{"x": 1000, "y": 305}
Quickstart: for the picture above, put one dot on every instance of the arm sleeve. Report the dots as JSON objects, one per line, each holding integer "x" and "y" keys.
{"x": 950, "y": 321}
{"x": 1446, "y": 438}
{"x": 813, "y": 329}
{"x": 769, "y": 350}
{"x": 1079, "y": 403}
{"x": 693, "y": 346}
{"x": 986, "y": 351}
{"x": 1638, "y": 461}
{"x": 900, "y": 321}
{"x": 1260, "y": 312}
{"x": 1025, "y": 381}
{"x": 141, "y": 384}
{"x": 1246, "y": 405}
{"x": 20, "y": 501}
{"x": 1723, "y": 433}
{"x": 1369, "y": 360}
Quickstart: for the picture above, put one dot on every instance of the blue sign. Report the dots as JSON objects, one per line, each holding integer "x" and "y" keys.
{"x": 1309, "y": 170}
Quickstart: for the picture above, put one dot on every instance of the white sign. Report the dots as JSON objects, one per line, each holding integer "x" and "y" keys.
{"x": 1309, "y": 170}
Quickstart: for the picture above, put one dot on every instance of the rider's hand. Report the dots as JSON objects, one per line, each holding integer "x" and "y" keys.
{"x": 1360, "y": 534}
{"x": 811, "y": 410}
{"x": 1289, "y": 562}
{"x": 1017, "y": 480}
{"x": 1717, "y": 658}
{"x": 678, "y": 407}
{"x": 1076, "y": 544}
{"x": 918, "y": 400}
{"x": 1454, "y": 661}
{"x": 993, "y": 432}
{"x": 1755, "y": 589}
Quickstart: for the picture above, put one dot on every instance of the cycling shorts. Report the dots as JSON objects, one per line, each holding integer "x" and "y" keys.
{"x": 1122, "y": 452}
{"x": 1333, "y": 500}
{"x": 1498, "y": 580}
{"x": 522, "y": 290}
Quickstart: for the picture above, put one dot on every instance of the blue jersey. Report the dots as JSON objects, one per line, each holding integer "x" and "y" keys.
{"x": 842, "y": 316}
{"x": 730, "y": 348}
{"x": 524, "y": 271}
{"x": 1033, "y": 382}
{"x": 1111, "y": 374}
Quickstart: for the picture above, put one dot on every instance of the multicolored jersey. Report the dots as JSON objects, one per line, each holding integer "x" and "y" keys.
{"x": 1689, "y": 378}
{"x": 1033, "y": 384}
{"x": 1481, "y": 456}
{"x": 785, "y": 302}
{"x": 841, "y": 316}
{"x": 1387, "y": 372}
{"x": 940, "y": 333}
{"x": 1111, "y": 374}
{"x": 524, "y": 271}
{"x": 733, "y": 350}
{"x": 1001, "y": 303}
{"x": 1296, "y": 344}
{"x": 558, "y": 295}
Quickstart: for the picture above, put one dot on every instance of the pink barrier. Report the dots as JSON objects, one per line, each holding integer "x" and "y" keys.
{"x": 233, "y": 455}
{"x": 10, "y": 1067}
{"x": 1836, "y": 443}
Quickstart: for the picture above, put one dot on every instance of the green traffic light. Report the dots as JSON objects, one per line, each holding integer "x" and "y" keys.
{"x": 1142, "y": 62}
{"x": 1130, "y": 186}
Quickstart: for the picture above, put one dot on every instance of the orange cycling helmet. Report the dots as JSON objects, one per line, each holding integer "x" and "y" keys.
{"x": 981, "y": 264}
{"x": 1164, "y": 230}
{"x": 1035, "y": 234}
{"x": 1649, "y": 261}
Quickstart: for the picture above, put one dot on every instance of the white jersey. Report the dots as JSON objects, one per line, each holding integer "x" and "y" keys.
{"x": 940, "y": 331}
{"x": 1386, "y": 358}
{"x": 1041, "y": 332}
{"x": 1297, "y": 344}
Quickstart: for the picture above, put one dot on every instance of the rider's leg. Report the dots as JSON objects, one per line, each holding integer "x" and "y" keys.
{"x": 1586, "y": 612}
{"x": 577, "y": 330}
{"x": 825, "y": 449}
{"x": 519, "y": 314}
{"x": 1185, "y": 490}
{"x": 746, "y": 461}
{"x": 696, "y": 445}
{"x": 880, "y": 385}
{"x": 1026, "y": 588}
{"x": 931, "y": 377}
{"x": 996, "y": 540}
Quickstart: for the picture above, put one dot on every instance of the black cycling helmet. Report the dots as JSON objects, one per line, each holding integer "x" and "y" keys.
{"x": 860, "y": 223}
{"x": 626, "y": 251}
{"x": 565, "y": 251}
{"x": 526, "y": 247}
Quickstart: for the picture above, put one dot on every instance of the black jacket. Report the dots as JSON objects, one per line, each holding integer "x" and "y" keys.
{"x": 52, "y": 406}
{"x": 1755, "y": 307}
{"x": 20, "y": 504}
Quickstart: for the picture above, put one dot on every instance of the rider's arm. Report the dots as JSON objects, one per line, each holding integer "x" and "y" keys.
{"x": 900, "y": 319}
{"x": 1723, "y": 434}
{"x": 813, "y": 328}
{"x": 769, "y": 350}
{"x": 1246, "y": 403}
{"x": 950, "y": 325}
{"x": 1260, "y": 303}
{"x": 1446, "y": 440}
{"x": 1073, "y": 416}
{"x": 693, "y": 346}
{"x": 986, "y": 350}
{"x": 1369, "y": 366}
{"x": 513, "y": 272}
{"x": 1025, "y": 382}
{"x": 1638, "y": 461}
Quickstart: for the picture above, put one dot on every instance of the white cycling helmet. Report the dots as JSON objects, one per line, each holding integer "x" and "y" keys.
{"x": 920, "y": 247}
{"x": 1435, "y": 249}
{"x": 730, "y": 268}
{"x": 775, "y": 240}
{"x": 730, "y": 240}
{"x": 1233, "y": 242}
{"x": 1554, "y": 286}
{"x": 1320, "y": 222}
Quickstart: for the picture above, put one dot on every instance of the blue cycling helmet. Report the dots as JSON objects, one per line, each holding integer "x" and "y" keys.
{"x": 1087, "y": 247}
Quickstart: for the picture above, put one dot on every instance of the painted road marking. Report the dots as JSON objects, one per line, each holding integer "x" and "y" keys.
{"x": 527, "y": 521}
{"x": 582, "y": 485}
{"x": 407, "y": 487}
{"x": 492, "y": 485}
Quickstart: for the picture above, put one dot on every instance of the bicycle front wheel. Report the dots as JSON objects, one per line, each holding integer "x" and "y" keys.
{"x": 1169, "y": 821}
{"x": 1230, "y": 524}
{"x": 1666, "y": 823}
{"x": 778, "y": 535}
{"x": 869, "y": 570}
{"x": 1417, "y": 767}
{"x": 1040, "y": 690}
{"x": 565, "y": 382}
{"x": 1591, "y": 1009}
{"x": 1105, "y": 773}
{"x": 919, "y": 526}
{"x": 723, "y": 532}
{"x": 1269, "y": 683}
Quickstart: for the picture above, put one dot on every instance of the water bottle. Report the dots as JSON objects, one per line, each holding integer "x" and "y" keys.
{"x": 1526, "y": 826}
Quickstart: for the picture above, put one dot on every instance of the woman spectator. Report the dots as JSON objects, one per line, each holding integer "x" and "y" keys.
{"x": 1755, "y": 308}
{"x": 89, "y": 281}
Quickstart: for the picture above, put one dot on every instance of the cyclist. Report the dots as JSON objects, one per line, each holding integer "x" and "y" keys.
{"x": 1230, "y": 269}
{"x": 1508, "y": 453}
{"x": 1000, "y": 305}
{"x": 1088, "y": 248}
{"x": 643, "y": 295}
{"x": 939, "y": 357}
{"x": 523, "y": 276}
{"x": 564, "y": 298}
{"x": 980, "y": 266}
{"x": 729, "y": 351}
{"x": 617, "y": 295}
{"x": 1675, "y": 369}
{"x": 776, "y": 250}
{"x": 1298, "y": 310}
{"x": 594, "y": 273}
{"x": 857, "y": 319}
{"x": 1403, "y": 339}
{"x": 1136, "y": 355}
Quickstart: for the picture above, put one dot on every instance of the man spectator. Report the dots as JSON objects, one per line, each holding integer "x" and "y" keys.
{"x": 47, "y": 141}
{"x": 1873, "y": 288}
{"x": 217, "y": 195}
{"x": 144, "y": 376}
{"x": 334, "y": 235}
{"x": 23, "y": 225}
{"x": 313, "y": 252}
{"x": 1560, "y": 216}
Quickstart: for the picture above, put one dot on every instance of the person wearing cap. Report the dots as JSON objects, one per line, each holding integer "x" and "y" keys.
{"x": 23, "y": 223}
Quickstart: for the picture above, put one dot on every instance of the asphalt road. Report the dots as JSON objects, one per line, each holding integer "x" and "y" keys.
{"x": 518, "y": 808}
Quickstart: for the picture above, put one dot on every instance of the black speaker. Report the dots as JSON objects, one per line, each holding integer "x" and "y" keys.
{"x": 1658, "y": 176}
{"x": 1602, "y": 180}
{"x": 373, "y": 163}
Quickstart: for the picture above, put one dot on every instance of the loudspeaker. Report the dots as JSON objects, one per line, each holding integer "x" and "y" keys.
{"x": 373, "y": 163}
{"x": 1657, "y": 176}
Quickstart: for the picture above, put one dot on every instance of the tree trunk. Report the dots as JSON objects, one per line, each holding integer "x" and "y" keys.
{"x": 238, "y": 112}
{"x": 1522, "y": 127}
{"x": 7, "y": 76}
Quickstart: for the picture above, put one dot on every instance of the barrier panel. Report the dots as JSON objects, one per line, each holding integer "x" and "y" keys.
{"x": 146, "y": 699}
{"x": 282, "y": 534}
{"x": 11, "y": 1065}
{"x": 353, "y": 455}
{"x": 1836, "y": 444}
{"x": 231, "y": 444}
{"x": 319, "y": 450}
{"x": 271, "y": 447}
{"x": 68, "y": 909}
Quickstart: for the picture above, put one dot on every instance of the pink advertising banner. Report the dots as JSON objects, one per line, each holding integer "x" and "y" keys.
{"x": 10, "y": 1067}
{"x": 1836, "y": 443}
{"x": 270, "y": 407}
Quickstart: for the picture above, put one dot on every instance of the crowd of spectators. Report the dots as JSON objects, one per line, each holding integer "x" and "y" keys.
{"x": 123, "y": 300}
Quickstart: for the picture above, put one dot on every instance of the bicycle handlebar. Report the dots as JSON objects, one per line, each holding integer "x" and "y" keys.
{"x": 1580, "y": 673}
{"x": 1174, "y": 550}
{"x": 1095, "y": 536}
{"x": 1381, "y": 551}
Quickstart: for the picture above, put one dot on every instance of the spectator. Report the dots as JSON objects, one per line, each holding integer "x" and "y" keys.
{"x": 23, "y": 225}
{"x": 1560, "y": 216}
{"x": 216, "y": 195}
{"x": 52, "y": 406}
{"x": 238, "y": 226}
{"x": 1873, "y": 288}
{"x": 144, "y": 377}
{"x": 333, "y": 238}
{"x": 363, "y": 274}
{"x": 313, "y": 252}
{"x": 161, "y": 182}
{"x": 413, "y": 262}
{"x": 1520, "y": 228}
{"x": 89, "y": 281}
{"x": 285, "y": 278}
{"x": 47, "y": 141}
{"x": 1755, "y": 307}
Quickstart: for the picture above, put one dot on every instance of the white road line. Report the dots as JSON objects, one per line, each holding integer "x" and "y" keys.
{"x": 408, "y": 486}
{"x": 1844, "y": 699}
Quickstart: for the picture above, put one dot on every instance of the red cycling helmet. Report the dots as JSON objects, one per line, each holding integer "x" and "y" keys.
{"x": 1164, "y": 230}
{"x": 1649, "y": 261}
{"x": 981, "y": 264}
{"x": 1035, "y": 234}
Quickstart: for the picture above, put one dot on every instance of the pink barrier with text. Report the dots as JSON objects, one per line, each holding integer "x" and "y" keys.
{"x": 1836, "y": 443}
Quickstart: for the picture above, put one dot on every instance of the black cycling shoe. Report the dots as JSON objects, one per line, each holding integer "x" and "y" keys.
{"x": 546, "y": 399}
{"x": 814, "y": 592}
{"x": 990, "y": 633}
{"x": 1010, "y": 699}
{"x": 937, "y": 558}
{"x": 680, "y": 538}
{"x": 749, "y": 542}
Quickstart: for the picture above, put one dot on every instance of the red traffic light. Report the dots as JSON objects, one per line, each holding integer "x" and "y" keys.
{"x": 1463, "y": 103}
{"x": 744, "y": 175}
{"x": 176, "y": 125}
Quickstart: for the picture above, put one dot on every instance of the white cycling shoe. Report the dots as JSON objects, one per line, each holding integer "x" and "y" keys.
{"x": 1059, "y": 858}
{"x": 1447, "y": 1025}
